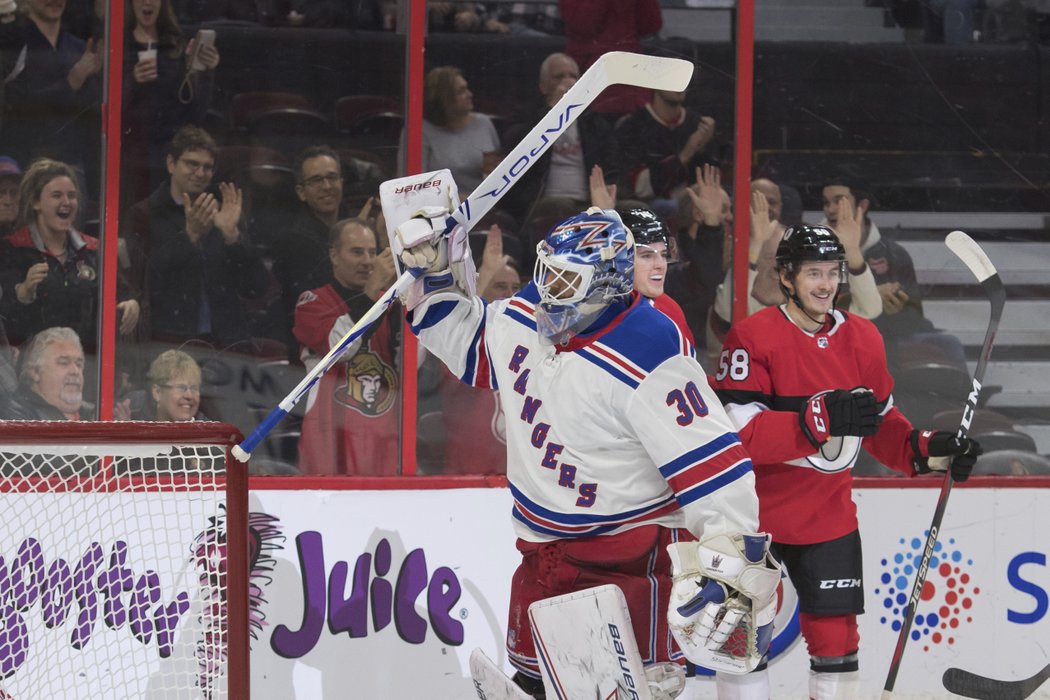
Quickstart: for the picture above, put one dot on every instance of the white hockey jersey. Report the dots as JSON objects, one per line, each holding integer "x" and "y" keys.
{"x": 614, "y": 430}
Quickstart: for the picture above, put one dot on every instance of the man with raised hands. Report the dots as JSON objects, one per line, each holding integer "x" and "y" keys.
{"x": 807, "y": 386}
{"x": 619, "y": 455}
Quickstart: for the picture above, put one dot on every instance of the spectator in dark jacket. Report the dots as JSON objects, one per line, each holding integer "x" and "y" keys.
{"x": 52, "y": 95}
{"x": 49, "y": 271}
{"x": 188, "y": 250}
{"x": 664, "y": 143}
{"x": 160, "y": 93}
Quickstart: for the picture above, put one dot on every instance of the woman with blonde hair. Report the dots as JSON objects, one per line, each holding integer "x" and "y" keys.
{"x": 50, "y": 271}
{"x": 175, "y": 387}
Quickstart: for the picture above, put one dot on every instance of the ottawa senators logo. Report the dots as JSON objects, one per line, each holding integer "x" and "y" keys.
{"x": 85, "y": 271}
{"x": 371, "y": 384}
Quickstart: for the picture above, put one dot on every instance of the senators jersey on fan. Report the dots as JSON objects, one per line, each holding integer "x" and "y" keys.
{"x": 767, "y": 370}
{"x": 611, "y": 431}
{"x": 351, "y": 420}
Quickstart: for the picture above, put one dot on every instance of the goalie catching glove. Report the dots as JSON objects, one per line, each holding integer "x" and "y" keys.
{"x": 839, "y": 413}
{"x": 935, "y": 451}
{"x": 438, "y": 261}
{"x": 723, "y": 600}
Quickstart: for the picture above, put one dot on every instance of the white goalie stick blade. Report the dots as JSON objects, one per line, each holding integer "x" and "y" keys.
{"x": 490, "y": 683}
{"x": 970, "y": 685}
{"x": 586, "y": 646}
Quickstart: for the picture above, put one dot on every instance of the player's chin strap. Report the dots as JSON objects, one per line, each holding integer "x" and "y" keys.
{"x": 723, "y": 600}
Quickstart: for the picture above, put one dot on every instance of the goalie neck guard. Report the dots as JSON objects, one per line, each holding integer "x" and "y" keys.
{"x": 583, "y": 265}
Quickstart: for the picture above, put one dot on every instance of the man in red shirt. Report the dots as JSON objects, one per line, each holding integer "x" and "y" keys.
{"x": 351, "y": 421}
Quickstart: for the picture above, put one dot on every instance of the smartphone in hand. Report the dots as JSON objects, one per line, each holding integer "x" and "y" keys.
{"x": 205, "y": 37}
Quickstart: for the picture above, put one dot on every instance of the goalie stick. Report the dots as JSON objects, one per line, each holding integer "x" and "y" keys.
{"x": 613, "y": 68}
{"x": 967, "y": 250}
{"x": 971, "y": 685}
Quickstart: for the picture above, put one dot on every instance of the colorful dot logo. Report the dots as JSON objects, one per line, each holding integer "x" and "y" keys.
{"x": 947, "y": 594}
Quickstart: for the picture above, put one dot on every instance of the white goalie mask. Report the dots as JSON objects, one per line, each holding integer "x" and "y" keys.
{"x": 583, "y": 265}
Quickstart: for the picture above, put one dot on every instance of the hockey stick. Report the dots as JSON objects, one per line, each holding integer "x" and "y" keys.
{"x": 967, "y": 250}
{"x": 971, "y": 685}
{"x": 613, "y": 68}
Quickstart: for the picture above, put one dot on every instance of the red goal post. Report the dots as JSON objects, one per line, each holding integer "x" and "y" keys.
{"x": 124, "y": 560}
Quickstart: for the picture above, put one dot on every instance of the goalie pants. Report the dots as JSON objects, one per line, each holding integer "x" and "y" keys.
{"x": 635, "y": 560}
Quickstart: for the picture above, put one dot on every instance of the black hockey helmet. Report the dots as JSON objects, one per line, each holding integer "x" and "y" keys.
{"x": 804, "y": 243}
{"x": 645, "y": 226}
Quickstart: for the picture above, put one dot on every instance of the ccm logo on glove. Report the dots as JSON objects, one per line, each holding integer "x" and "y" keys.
{"x": 839, "y": 412}
{"x": 936, "y": 451}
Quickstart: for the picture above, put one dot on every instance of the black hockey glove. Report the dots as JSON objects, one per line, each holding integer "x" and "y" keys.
{"x": 839, "y": 412}
{"x": 934, "y": 450}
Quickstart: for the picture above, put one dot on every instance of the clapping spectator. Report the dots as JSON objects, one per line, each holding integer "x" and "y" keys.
{"x": 454, "y": 135}
{"x": 188, "y": 250}
{"x": 160, "y": 92}
{"x": 52, "y": 95}
{"x": 50, "y": 271}
{"x": 664, "y": 142}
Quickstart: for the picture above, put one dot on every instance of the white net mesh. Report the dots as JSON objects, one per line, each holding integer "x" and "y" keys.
{"x": 113, "y": 570}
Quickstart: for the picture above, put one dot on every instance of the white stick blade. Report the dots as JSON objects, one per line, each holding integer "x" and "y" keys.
{"x": 490, "y": 683}
{"x": 967, "y": 250}
{"x": 586, "y": 646}
{"x": 656, "y": 72}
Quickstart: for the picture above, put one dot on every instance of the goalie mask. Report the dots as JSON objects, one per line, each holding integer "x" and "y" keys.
{"x": 583, "y": 265}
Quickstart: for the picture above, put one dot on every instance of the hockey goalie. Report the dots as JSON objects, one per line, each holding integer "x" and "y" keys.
{"x": 623, "y": 465}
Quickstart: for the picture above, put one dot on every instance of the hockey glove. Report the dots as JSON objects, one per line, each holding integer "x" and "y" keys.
{"x": 441, "y": 261}
{"x": 937, "y": 451}
{"x": 420, "y": 241}
{"x": 839, "y": 412}
{"x": 723, "y": 600}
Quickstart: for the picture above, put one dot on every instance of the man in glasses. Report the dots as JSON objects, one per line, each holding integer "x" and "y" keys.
{"x": 187, "y": 246}
{"x": 300, "y": 252}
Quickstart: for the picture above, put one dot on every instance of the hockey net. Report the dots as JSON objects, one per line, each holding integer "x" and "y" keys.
{"x": 123, "y": 561}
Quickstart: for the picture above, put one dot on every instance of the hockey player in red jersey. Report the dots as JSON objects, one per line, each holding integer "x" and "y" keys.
{"x": 619, "y": 454}
{"x": 652, "y": 258}
{"x": 807, "y": 386}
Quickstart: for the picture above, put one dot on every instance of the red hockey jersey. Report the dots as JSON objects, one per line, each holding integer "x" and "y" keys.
{"x": 352, "y": 417}
{"x": 767, "y": 370}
